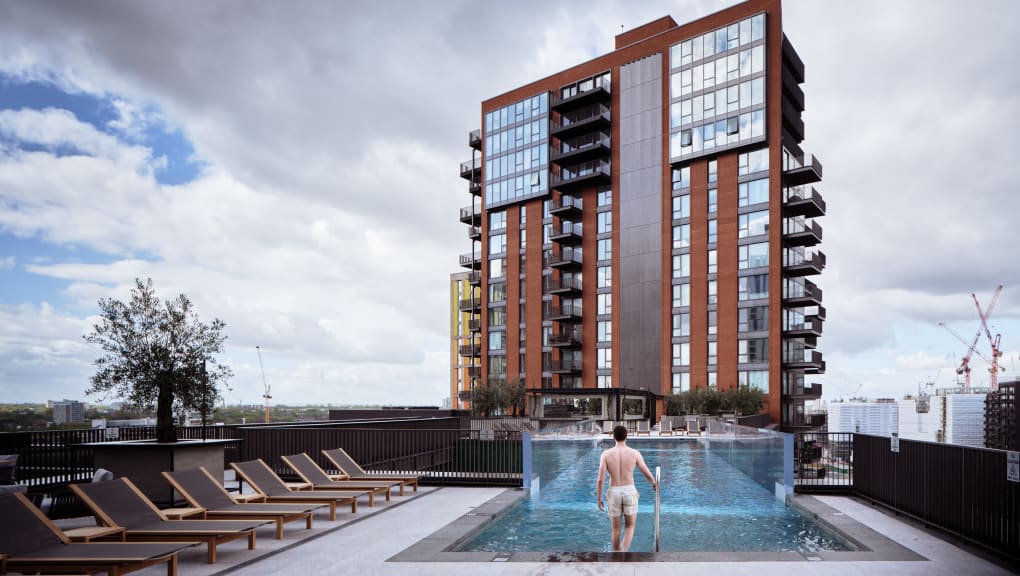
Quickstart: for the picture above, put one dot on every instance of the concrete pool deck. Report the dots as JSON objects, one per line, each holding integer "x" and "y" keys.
{"x": 374, "y": 541}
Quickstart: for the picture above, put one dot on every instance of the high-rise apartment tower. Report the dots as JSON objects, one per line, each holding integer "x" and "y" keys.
{"x": 646, "y": 220}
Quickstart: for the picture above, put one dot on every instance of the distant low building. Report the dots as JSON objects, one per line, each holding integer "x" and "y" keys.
{"x": 878, "y": 418}
{"x": 948, "y": 416}
{"x": 68, "y": 411}
{"x": 1002, "y": 417}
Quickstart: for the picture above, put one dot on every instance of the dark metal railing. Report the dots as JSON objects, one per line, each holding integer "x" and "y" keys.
{"x": 823, "y": 462}
{"x": 959, "y": 489}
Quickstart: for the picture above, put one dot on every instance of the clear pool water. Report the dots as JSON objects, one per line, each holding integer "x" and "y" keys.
{"x": 707, "y": 504}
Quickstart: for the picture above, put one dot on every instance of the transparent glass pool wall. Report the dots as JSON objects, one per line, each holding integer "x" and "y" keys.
{"x": 765, "y": 456}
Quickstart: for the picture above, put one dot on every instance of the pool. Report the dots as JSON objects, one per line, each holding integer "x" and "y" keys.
{"x": 707, "y": 504}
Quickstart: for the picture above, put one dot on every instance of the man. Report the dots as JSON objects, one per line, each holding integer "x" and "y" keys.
{"x": 619, "y": 461}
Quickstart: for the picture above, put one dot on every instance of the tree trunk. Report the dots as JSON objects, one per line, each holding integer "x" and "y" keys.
{"x": 165, "y": 430}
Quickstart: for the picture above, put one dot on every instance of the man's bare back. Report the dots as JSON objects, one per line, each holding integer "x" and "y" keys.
{"x": 620, "y": 461}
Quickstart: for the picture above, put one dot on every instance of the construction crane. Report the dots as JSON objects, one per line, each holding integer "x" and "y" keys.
{"x": 993, "y": 370}
{"x": 265, "y": 386}
{"x": 964, "y": 367}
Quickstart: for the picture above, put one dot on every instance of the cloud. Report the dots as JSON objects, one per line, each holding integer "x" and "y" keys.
{"x": 7, "y": 263}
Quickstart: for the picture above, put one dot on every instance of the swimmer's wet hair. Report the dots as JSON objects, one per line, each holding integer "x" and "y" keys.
{"x": 620, "y": 433}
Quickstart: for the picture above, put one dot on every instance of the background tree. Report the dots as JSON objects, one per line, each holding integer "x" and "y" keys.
{"x": 157, "y": 353}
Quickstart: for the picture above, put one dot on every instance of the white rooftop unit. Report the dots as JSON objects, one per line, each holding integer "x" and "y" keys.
{"x": 951, "y": 418}
{"x": 875, "y": 418}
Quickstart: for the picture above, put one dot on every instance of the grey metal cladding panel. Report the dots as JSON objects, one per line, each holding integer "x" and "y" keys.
{"x": 641, "y": 183}
{"x": 645, "y": 301}
{"x": 644, "y": 241}
{"x": 640, "y": 268}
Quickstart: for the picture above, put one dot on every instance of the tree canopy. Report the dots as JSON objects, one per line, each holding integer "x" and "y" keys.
{"x": 158, "y": 354}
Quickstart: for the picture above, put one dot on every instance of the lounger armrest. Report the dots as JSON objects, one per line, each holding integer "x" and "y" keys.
{"x": 244, "y": 498}
{"x": 299, "y": 485}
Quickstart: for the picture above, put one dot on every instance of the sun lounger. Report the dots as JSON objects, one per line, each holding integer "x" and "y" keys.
{"x": 201, "y": 489}
{"x": 350, "y": 467}
{"x": 120, "y": 503}
{"x": 693, "y": 428}
{"x": 310, "y": 472}
{"x": 642, "y": 428}
{"x": 264, "y": 480}
{"x": 32, "y": 543}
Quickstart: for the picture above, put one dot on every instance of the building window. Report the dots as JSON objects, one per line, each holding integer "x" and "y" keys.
{"x": 753, "y": 255}
{"x": 753, "y": 162}
{"x": 547, "y": 230}
{"x": 713, "y": 231}
{"x": 681, "y": 325}
{"x": 496, "y": 268}
{"x": 713, "y": 263}
{"x": 681, "y": 265}
{"x": 753, "y": 224}
{"x": 753, "y": 192}
{"x": 753, "y": 319}
{"x": 605, "y": 197}
{"x": 604, "y": 304}
{"x": 682, "y": 178}
{"x": 497, "y": 340}
{"x": 712, "y": 353}
{"x": 497, "y": 316}
{"x": 713, "y": 324}
{"x": 753, "y": 287}
{"x": 681, "y": 382}
{"x": 753, "y": 351}
{"x": 605, "y": 222}
{"x": 605, "y": 249}
{"x": 713, "y": 289}
{"x": 605, "y": 331}
{"x": 754, "y": 379}
{"x": 713, "y": 171}
{"x": 497, "y": 292}
{"x": 682, "y": 236}
{"x": 604, "y": 358}
{"x": 713, "y": 203}
{"x": 681, "y": 295}
{"x": 497, "y": 367}
{"x": 604, "y": 381}
{"x": 603, "y": 276}
{"x": 713, "y": 380}
{"x": 682, "y": 206}
{"x": 497, "y": 244}
{"x": 497, "y": 220}
{"x": 682, "y": 354}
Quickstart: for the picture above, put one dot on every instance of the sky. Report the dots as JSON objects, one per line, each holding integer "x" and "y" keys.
{"x": 293, "y": 169}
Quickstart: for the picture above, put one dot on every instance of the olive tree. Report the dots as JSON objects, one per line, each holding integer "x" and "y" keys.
{"x": 157, "y": 354}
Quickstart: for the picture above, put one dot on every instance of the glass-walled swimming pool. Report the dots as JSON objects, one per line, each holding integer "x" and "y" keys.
{"x": 708, "y": 502}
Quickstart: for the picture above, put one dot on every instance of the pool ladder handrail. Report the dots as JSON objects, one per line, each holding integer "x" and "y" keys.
{"x": 657, "y": 489}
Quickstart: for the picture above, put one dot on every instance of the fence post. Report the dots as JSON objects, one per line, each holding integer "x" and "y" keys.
{"x": 526, "y": 457}
{"x": 787, "y": 488}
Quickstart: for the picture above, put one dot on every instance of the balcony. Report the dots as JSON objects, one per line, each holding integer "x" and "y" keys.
{"x": 590, "y": 119}
{"x": 471, "y": 260}
{"x": 471, "y": 169}
{"x": 792, "y": 90}
{"x": 809, "y": 295}
{"x": 792, "y": 61}
{"x": 585, "y": 173}
{"x": 470, "y": 351}
{"x": 471, "y": 215}
{"x": 811, "y": 391}
{"x": 564, "y": 287}
{"x": 792, "y": 120}
{"x": 569, "y": 233}
{"x": 810, "y": 363}
{"x": 475, "y": 188}
{"x": 811, "y": 327}
{"x": 800, "y": 233}
{"x": 587, "y": 147}
{"x": 563, "y": 367}
{"x": 474, "y": 278}
{"x": 809, "y": 173}
{"x": 475, "y": 232}
{"x": 598, "y": 94}
{"x": 566, "y": 339}
{"x": 806, "y": 202}
{"x": 470, "y": 305}
{"x": 567, "y": 207}
{"x": 564, "y": 313}
{"x": 804, "y": 265}
{"x": 474, "y": 372}
{"x": 567, "y": 258}
{"x": 475, "y": 139}
{"x": 475, "y": 325}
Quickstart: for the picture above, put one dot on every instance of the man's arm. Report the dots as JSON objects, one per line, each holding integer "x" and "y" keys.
{"x": 602, "y": 475}
{"x": 644, "y": 470}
